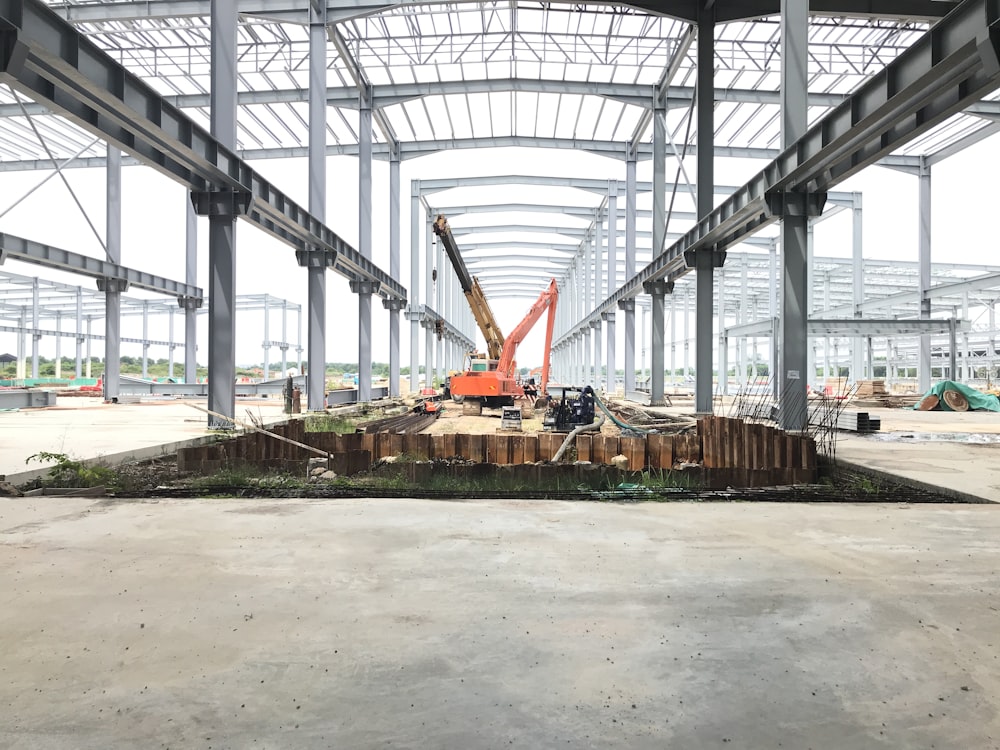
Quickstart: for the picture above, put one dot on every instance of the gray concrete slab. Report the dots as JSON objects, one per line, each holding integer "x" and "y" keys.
{"x": 358, "y": 624}
{"x": 955, "y": 451}
{"x": 87, "y": 428}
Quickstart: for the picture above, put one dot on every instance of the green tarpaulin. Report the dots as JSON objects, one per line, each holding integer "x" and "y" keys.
{"x": 977, "y": 399}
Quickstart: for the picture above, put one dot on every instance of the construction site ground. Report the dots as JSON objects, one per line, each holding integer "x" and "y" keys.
{"x": 953, "y": 452}
{"x": 236, "y": 623}
{"x": 232, "y": 623}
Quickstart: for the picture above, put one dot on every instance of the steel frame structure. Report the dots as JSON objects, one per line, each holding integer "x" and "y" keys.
{"x": 29, "y": 305}
{"x": 883, "y": 81}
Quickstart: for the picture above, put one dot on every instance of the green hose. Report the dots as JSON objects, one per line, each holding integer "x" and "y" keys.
{"x": 624, "y": 427}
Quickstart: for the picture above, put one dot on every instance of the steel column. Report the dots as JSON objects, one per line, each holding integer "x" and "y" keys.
{"x": 316, "y": 271}
{"x": 657, "y": 343}
{"x": 673, "y": 340}
{"x": 172, "y": 346}
{"x": 794, "y": 225}
{"x": 656, "y": 290}
{"x": 857, "y": 256}
{"x": 222, "y": 226}
{"x": 22, "y": 349}
{"x": 79, "y": 331}
{"x": 112, "y": 292}
{"x": 629, "y": 306}
{"x": 612, "y": 376}
{"x": 430, "y": 255}
{"x": 35, "y": 325}
{"x": 414, "y": 285}
{"x": 704, "y": 267}
{"x": 612, "y": 280}
{"x": 191, "y": 277}
{"x": 145, "y": 339}
{"x": 365, "y": 244}
{"x": 924, "y": 270}
{"x": 266, "y": 344}
{"x": 394, "y": 273}
{"x": 810, "y": 373}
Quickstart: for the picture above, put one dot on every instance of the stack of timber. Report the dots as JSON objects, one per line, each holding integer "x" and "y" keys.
{"x": 727, "y": 452}
{"x": 870, "y": 389}
{"x": 835, "y": 387}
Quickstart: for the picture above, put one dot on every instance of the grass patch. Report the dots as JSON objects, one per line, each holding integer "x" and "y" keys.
{"x": 69, "y": 472}
{"x": 330, "y": 423}
{"x": 244, "y": 476}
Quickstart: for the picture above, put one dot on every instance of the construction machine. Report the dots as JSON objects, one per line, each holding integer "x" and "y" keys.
{"x": 490, "y": 378}
{"x": 473, "y": 292}
{"x": 494, "y": 382}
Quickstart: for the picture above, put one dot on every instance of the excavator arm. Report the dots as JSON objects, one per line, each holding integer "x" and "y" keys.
{"x": 546, "y": 301}
{"x": 473, "y": 292}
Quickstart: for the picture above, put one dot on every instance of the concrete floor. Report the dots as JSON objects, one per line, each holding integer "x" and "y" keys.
{"x": 404, "y": 623}
{"x": 82, "y": 427}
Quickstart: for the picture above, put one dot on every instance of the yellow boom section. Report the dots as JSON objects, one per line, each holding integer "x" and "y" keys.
{"x": 473, "y": 292}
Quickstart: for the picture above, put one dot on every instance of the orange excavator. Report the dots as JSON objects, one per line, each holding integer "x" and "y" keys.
{"x": 490, "y": 378}
{"x": 494, "y": 382}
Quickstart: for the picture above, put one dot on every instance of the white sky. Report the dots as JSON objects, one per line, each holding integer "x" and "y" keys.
{"x": 153, "y": 232}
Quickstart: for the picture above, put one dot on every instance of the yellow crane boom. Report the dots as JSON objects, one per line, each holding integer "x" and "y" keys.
{"x": 473, "y": 292}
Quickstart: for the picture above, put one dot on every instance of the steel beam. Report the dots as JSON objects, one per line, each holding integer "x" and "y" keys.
{"x": 37, "y": 253}
{"x": 295, "y": 11}
{"x": 854, "y": 327}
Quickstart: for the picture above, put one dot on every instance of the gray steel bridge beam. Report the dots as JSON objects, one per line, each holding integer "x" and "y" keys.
{"x": 415, "y": 149}
{"x": 293, "y": 11}
{"x": 865, "y": 327}
{"x": 29, "y": 251}
{"x": 46, "y": 58}
{"x": 88, "y": 336}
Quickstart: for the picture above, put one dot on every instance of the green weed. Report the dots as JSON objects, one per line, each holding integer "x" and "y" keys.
{"x": 69, "y": 472}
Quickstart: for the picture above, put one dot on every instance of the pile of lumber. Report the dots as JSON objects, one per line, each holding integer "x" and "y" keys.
{"x": 870, "y": 389}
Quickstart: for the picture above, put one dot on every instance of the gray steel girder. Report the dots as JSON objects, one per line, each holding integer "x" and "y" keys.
{"x": 37, "y": 253}
{"x": 47, "y": 59}
{"x": 954, "y": 64}
{"x": 342, "y": 10}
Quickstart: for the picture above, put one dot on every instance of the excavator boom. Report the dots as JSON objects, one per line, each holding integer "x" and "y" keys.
{"x": 481, "y": 311}
{"x": 546, "y": 301}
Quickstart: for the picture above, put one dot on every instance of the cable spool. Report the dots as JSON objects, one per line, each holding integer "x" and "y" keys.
{"x": 928, "y": 402}
{"x": 956, "y": 401}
